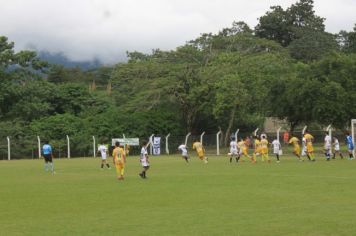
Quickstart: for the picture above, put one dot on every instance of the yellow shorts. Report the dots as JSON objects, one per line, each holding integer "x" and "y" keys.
{"x": 310, "y": 148}
{"x": 119, "y": 164}
{"x": 201, "y": 154}
{"x": 297, "y": 150}
{"x": 264, "y": 150}
{"x": 244, "y": 152}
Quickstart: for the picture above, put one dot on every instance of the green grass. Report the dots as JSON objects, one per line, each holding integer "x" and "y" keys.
{"x": 290, "y": 198}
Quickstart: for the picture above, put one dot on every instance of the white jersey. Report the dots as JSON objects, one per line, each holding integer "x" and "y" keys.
{"x": 327, "y": 142}
{"x": 304, "y": 147}
{"x": 276, "y": 146}
{"x": 337, "y": 145}
{"x": 233, "y": 148}
{"x": 143, "y": 157}
{"x": 103, "y": 150}
{"x": 184, "y": 150}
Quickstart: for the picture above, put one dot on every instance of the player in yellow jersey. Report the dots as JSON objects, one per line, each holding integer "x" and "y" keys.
{"x": 309, "y": 143}
{"x": 264, "y": 149}
{"x": 119, "y": 160}
{"x": 257, "y": 147}
{"x": 242, "y": 145}
{"x": 295, "y": 141}
{"x": 198, "y": 146}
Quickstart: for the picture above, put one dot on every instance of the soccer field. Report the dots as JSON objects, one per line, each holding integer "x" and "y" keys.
{"x": 290, "y": 198}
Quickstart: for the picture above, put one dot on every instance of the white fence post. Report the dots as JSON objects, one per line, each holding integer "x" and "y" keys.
{"x": 236, "y": 133}
{"x": 201, "y": 137}
{"x": 8, "y": 148}
{"x": 68, "y": 147}
{"x": 186, "y": 138}
{"x": 278, "y": 131}
{"x": 255, "y": 132}
{"x": 94, "y": 147}
{"x": 151, "y": 144}
{"x": 123, "y": 136}
{"x": 167, "y": 148}
{"x": 39, "y": 147}
{"x": 218, "y": 143}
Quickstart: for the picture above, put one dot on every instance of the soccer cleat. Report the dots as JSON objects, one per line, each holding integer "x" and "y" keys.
{"x": 141, "y": 175}
{"x": 278, "y": 161}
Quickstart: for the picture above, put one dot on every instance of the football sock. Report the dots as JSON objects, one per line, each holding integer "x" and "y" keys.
{"x": 102, "y": 165}
{"x": 52, "y": 166}
{"x": 107, "y": 165}
{"x": 230, "y": 159}
{"x": 277, "y": 157}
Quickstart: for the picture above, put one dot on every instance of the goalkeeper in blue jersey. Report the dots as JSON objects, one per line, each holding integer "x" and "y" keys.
{"x": 350, "y": 145}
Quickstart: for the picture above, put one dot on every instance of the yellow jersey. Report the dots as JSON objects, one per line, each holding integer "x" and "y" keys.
{"x": 294, "y": 141}
{"x": 198, "y": 146}
{"x": 118, "y": 154}
{"x": 308, "y": 137}
{"x": 264, "y": 143}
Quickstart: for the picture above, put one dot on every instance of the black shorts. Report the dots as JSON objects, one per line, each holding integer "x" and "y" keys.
{"x": 47, "y": 157}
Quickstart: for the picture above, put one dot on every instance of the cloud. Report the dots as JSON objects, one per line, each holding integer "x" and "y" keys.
{"x": 106, "y": 29}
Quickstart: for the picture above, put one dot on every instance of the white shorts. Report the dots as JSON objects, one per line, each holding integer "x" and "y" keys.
{"x": 233, "y": 151}
{"x": 103, "y": 158}
{"x": 184, "y": 154}
{"x": 276, "y": 151}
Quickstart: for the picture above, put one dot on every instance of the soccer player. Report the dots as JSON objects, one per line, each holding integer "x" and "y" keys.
{"x": 350, "y": 145}
{"x": 234, "y": 150}
{"x": 309, "y": 145}
{"x": 119, "y": 160}
{"x": 264, "y": 149}
{"x": 144, "y": 160}
{"x": 184, "y": 151}
{"x": 48, "y": 156}
{"x": 200, "y": 151}
{"x": 103, "y": 152}
{"x": 243, "y": 147}
{"x": 296, "y": 150}
{"x": 276, "y": 148}
{"x": 327, "y": 146}
{"x": 257, "y": 147}
{"x": 337, "y": 148}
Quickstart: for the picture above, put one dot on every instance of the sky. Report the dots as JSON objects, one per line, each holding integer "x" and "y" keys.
{"x": 106, "y": 29}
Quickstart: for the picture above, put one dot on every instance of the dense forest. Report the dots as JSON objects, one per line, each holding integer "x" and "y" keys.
{"x": 287, "y": 66}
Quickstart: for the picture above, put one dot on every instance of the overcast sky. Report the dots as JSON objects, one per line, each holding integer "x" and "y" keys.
{"x": 106, "y": 29}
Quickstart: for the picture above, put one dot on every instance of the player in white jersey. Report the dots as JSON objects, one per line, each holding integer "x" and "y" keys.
{"x": 277, "y": 148}
{"x": 304, "y": 148}
{"x": 327, "y": 146}
{"x": 337, "y": 148}
{"x": 234, "y": 152}
{"x": 184, "y": 151}
{"x": 103, "y": 150}
{"x": 144, "y": 160}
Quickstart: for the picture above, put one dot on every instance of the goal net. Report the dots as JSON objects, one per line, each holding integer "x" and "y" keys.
{"x": 353, "y": 132}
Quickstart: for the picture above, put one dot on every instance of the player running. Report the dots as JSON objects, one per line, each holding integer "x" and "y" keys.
{"x": 309, "y": 145}
{"x": 350, "y": 146}
{"x": 200, "y": 151}
{"x": 243, "y": 147}
{"x": 257, "y": 147}
{"x": 184, "y": 150}
{"x": 337, "y": 148}
{"x": 119, "y": 160}
{"x": 296, "y": 147}
{"x": 276, "y": 148}
{"x": 144, "y": 160}
{"x": 48, "y": 156}
{"x": 327, "y": 146}
{"x": 264, "y": 149}
{"x": 234, "y": 150}
{"x": 103, "y": 152}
